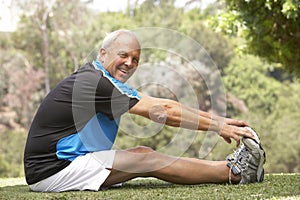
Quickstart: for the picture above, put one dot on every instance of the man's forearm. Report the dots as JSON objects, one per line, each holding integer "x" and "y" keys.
{"x": 173, "y": 113}
{"x": 216, "y": 121}
{"x": 198, "y": 112}
{"x": 190, "y": 118}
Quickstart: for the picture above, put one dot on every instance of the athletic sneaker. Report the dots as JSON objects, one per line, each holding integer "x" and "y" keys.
{"x": 248, "y": 160}
{"x": 257, "y": 151}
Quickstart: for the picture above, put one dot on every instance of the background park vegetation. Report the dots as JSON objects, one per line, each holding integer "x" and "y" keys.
{"x": 255, "y": 45}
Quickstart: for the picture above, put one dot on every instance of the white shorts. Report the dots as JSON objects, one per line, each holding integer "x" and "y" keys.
{"x": 86, "y": 172}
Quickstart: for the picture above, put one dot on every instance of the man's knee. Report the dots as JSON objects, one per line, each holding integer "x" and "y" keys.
{"x": 139, "y": 160}
{"x": 141, "y": 149}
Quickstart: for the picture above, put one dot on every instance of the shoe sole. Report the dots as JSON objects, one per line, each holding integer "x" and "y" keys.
{"x": 254, "y": 145}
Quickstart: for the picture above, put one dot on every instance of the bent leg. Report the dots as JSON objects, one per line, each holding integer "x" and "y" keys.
{"x": 145, "y": 162}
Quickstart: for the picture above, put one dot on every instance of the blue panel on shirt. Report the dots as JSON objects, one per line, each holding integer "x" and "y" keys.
{"x": 98, "y": 134}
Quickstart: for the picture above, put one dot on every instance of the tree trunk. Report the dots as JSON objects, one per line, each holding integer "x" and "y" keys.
{"x": 46, "y": 57}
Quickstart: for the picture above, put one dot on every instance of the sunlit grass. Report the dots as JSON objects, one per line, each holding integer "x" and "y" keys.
{"x": 275, "y": 186}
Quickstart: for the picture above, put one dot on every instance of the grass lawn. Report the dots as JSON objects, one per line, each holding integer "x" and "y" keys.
{"x": 275, "y": 186}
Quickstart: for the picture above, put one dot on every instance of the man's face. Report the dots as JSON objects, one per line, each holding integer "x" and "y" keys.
{"x": 121, "y": 58}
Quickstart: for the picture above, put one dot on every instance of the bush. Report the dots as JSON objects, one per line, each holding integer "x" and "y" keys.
{"x": 11, "y": 153}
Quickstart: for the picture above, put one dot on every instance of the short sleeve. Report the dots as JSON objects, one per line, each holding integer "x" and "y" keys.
{"x": 114, "y": 98}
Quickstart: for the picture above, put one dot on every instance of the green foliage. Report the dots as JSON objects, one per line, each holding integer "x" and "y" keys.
{"x": 17, "y": 94}
{"x": 271, "y": 28}
{"x": 246, "y": 77}
{"x": 217, "y": 45}
{"x": 11, "y": 153}
{"x": 158, "y": 14}
{"x": 283, "y": 127}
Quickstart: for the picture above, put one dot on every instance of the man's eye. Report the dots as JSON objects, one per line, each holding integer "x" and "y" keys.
{"x": 123, "y": 55}
{"x": 135, "y": 60}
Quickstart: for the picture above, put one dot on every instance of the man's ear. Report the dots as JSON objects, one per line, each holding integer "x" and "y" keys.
{"x": 102, "y": 55}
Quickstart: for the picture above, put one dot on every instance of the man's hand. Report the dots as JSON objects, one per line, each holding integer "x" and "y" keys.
{"x": 228, "y": 132}
{"x": 235, "y": 122}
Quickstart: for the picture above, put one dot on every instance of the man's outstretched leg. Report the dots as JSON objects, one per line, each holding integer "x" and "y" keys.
{"x": 145, "y": 162}
{"x": 245, "y": 165}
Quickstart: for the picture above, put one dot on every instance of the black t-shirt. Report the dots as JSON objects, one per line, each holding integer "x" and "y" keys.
{"x": 66, "y": 111}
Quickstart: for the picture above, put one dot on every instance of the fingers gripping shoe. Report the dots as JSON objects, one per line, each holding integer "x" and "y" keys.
{"x": 248, "y": 160}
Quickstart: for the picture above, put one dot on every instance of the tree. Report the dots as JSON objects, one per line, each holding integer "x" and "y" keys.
{"x": 40, "y": 17}
{"x": 23, "y": 87}
{"x": 270, "y": 27}
{"x": 53, "y": 37}
{"x": 218, "y": 46}
{"x": 20, "y": 91}
{"x": 158, "y": 13}
{"x": 247, "y": 78}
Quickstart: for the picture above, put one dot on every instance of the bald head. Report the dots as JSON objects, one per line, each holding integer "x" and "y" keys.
{"x": 120, "y": 36}
{"x": 120, "y": 54}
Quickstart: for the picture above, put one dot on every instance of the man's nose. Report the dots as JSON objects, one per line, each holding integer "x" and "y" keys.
{"x": 129, "y": 62}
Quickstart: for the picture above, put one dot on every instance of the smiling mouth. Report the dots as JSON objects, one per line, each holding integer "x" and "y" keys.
{"x": 124, "y": 71}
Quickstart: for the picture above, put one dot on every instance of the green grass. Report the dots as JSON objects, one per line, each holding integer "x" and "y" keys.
{"x": 275, "y": 186}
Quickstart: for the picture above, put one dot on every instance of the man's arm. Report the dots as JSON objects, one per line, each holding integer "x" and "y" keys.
{"x": 173, "y": 113}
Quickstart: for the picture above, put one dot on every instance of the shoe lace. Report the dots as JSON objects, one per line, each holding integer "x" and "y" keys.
{"x": 238, "y": 155}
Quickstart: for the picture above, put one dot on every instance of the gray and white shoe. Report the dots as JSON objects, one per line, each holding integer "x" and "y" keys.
{"x": 248, "y": 160}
